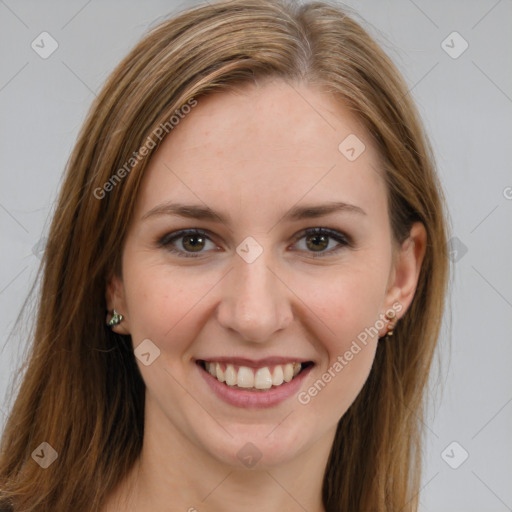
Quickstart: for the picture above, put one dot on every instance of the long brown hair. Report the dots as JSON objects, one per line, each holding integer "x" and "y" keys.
{"x": 82, "y": 392}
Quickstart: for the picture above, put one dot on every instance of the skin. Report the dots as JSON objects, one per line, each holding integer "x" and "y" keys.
{"x": 253, "y": 154}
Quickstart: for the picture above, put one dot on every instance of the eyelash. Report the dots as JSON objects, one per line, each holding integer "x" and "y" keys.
{"x": 343, "y": 239}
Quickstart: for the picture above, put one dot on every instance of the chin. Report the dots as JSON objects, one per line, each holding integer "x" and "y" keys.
{"x": 258, "y": 446}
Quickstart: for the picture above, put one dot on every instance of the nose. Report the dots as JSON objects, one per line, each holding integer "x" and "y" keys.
{"x": 255, "y": 301}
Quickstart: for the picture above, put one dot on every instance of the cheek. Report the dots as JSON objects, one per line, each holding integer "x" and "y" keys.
{"x": 349, "y": 309}
{"x": 349, "y": 346}
{"x": 348, "y": 302}
{"x": 165, "y": 304}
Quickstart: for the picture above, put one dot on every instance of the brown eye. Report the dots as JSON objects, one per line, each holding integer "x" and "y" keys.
{"x": 319, "y": 239}
{"x": 193, "y": 243}
{"x": 188, "y": 243}
{"x": 317, "y": 242}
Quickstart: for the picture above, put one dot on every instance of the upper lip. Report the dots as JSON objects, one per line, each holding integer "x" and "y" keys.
{"x": 255, "y": 363}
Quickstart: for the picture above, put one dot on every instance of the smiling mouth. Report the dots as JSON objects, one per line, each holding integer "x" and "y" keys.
{"x": 253, "y": 379}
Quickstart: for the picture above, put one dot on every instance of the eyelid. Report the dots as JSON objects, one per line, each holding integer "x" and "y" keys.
{"x": 340, "y": 236}
{"x": 169, "y": 237}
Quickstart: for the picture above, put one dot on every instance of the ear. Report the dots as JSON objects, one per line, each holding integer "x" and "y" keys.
{"x": 115, "y": 298}
{"x": 406, "y": 270}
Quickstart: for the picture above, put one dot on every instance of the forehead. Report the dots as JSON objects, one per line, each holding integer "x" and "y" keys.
{"x": 272, "y": 143}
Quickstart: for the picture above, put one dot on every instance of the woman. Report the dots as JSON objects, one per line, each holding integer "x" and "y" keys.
{"x": 244, "y": 279}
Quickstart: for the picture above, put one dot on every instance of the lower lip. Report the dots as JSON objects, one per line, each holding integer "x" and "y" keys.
{"x": 255, "y": 399}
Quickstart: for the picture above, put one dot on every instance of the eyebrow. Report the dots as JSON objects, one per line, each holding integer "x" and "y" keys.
{"x": 199, "y": 212}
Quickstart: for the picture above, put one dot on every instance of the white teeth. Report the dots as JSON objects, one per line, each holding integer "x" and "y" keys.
{"x": 260, "y": 378}
{"x": 277, "y": 378}
{"x": 263, "y": 379}
{"x": 220, "y": 373}
{"x": 231, "y": 377}
{"x": 245, "y": 377}
{"x": 288, "y": 372}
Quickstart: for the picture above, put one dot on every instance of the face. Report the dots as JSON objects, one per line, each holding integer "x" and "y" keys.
{"x": 274, "y": 277}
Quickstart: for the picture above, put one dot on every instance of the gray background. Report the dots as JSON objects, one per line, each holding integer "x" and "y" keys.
{"x": 466, "y": 104}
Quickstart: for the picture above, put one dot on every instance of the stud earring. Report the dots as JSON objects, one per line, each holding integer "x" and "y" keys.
{"x": 391, "y": 316}
{"x": 116, "y": 319}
